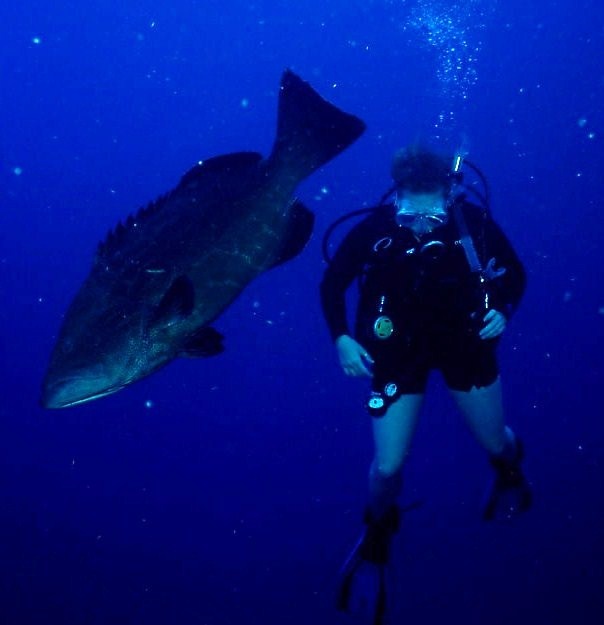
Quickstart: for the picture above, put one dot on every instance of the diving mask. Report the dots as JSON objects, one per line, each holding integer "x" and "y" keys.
{"x": 421, "y": 212}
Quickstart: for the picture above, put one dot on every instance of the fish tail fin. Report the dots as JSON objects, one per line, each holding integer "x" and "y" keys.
{"x": 310, "y": 130}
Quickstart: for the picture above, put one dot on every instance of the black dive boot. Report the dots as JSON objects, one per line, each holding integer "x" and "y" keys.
{"x": 374, "y": 546}
{"x": 372, "y": 551}
{"x": 510, "y": 494}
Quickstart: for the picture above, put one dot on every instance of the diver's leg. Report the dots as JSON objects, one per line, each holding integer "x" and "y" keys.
{"x": 392, "y": 436}
{"x": 482, "y": 409}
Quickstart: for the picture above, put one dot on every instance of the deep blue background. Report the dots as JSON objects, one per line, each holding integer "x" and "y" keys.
{"x": 235, "y": 497}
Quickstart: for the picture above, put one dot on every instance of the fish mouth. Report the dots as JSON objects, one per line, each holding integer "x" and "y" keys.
{"x": 69, "y": 393}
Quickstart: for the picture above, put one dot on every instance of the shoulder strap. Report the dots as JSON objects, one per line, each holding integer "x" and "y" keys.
{"x": 465, "y": 239}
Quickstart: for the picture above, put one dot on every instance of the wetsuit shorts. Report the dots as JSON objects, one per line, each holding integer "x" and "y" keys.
{"x": 402, "y": 366}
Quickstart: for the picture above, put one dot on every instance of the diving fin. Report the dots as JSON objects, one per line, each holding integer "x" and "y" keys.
{"x": 362, "y": 588}
{"x": 510, "y": 493}
{"x": 362, "y": 584}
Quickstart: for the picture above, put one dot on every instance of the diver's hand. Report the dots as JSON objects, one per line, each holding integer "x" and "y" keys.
{"x": 494, "y": 325}
{"x": 353, "y": 356}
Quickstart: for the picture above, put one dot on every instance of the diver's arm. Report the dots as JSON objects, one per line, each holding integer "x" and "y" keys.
{"x": 495, "y": 323}
{"x": 346, "y": 264}
{"x": 353, "y": 357}
{"x": 509, "y": 287}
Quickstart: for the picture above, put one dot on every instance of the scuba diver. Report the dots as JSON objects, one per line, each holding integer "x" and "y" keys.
{"x": 438, "y": 283}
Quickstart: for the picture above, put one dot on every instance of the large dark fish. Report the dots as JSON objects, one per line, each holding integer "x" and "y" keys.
{"x": 160, "y": 279}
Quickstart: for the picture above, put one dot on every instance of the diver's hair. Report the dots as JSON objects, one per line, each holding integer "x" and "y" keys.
{"x": 419, "y": 170}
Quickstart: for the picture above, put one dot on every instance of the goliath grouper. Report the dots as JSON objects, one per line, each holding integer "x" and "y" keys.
{"x": 161, "y": 278}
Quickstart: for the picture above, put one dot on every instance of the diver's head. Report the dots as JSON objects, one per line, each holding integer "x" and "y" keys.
{"x": 416, "y": 170}
{"x": 423, "y": 183}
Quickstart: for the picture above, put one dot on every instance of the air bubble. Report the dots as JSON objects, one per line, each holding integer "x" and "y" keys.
{"x": 453, "y": 35}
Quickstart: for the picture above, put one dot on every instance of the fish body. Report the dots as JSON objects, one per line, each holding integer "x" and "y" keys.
{"x": 161, "y": 278}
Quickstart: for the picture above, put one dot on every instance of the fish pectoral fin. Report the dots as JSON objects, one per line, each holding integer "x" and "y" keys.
{"x": 178, "y": 301}
{"x": 204, "y": 343}
{"x": 300, "y": 226}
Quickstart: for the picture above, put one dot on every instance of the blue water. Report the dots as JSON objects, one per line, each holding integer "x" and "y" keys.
{"x": 227, "y": 491}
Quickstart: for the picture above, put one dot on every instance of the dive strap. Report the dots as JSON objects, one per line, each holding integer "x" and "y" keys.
{"x": 466, "y": 239}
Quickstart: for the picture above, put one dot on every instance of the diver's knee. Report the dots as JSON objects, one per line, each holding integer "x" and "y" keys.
{"x": 384, "y": 470}
{"x": 503, "y": 444}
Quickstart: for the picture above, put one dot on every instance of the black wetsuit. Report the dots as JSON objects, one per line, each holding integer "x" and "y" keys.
{"x": 425, "y": 287}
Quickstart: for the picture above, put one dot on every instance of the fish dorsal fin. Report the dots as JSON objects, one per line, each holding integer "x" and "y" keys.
{"x": 220, "y": 169}
{"x": 178, "y": 301}
{"x": 115, "y": 237}
{"x": 222, "y": 178}
{"x": 299, "y": 231}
